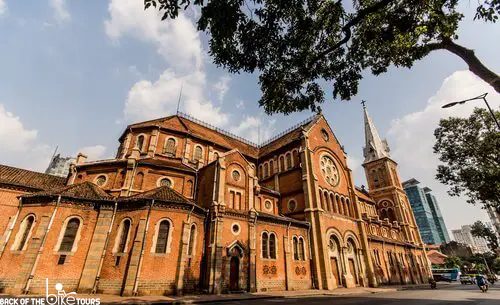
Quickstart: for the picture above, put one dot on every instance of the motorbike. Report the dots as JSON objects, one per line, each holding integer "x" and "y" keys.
{"x": 433, "y": 284}
{"x": 484, "y": 288}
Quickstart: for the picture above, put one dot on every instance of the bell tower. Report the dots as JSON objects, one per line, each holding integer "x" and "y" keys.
{"x": 384, "y": 182}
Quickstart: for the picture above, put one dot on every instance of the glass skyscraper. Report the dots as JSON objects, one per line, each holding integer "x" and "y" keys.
{"x": 437, "y": 216}
{"x": 427, "y": 214}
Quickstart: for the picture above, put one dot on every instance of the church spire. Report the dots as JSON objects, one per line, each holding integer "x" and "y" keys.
{"x": 375, "y": 148}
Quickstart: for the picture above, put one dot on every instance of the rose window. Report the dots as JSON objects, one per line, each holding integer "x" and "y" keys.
{"x": 329, "y": 170}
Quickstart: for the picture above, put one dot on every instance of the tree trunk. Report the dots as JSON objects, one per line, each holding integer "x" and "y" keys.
{"x": 475, "y": 65}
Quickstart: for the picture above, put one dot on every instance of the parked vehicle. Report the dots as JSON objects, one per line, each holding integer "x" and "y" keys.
{"x": 466, "y": 279}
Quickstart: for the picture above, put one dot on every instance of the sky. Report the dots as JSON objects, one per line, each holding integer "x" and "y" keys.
{"x": 73, "y": 74}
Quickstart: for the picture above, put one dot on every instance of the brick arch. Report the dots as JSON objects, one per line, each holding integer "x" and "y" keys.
{"x": 334, "y": 231}
{"x": 351, "y": 235}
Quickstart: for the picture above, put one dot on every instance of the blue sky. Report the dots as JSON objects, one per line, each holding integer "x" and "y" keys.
{"x": 74, "y": 73}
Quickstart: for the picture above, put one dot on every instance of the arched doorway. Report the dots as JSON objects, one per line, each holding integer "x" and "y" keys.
{"x": 353, "y": 261}
{"x": 235, "y": 254}
{"x": 234, "y": 273}
{"x": 335, "y": 259}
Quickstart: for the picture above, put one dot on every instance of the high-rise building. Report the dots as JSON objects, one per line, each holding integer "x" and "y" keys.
{"x": 494, "y": 214}
{"x": 464, "y": 236}
{"x": 59, "y": 166}
{"x": 437, "y": 216}
{"x": 423, "y": 212}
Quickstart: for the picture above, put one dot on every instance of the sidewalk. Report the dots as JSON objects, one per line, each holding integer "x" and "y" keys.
{"x": 208, "y": 298}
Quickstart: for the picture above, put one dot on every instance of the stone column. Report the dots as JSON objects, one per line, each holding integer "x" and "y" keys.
{"x": 135, "y": 257}
{"x": 96, "y": 250}
{"x": 252, "y": 258}
{"x": 181, "y": 261}
{"x": 288, "y": 260}
{"x": 153, "y": 142}
{"x": 34, "y": 249}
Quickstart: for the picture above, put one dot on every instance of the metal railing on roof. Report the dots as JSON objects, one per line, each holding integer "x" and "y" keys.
{"x": 219, "y": 130}
{"x": 284, "y": 132}
{"x": 241, "y": 139}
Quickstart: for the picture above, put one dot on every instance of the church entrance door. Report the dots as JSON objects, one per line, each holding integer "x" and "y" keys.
{"x": 335, "y": 270}
{"x": 234, "y": 273}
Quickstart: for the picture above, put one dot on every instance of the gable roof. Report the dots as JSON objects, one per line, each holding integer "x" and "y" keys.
{"x": 85, "y": 190}
{"x": 162, "y": 193}
{"x": 29, "y": 179}
{"x": 184, "y": 123}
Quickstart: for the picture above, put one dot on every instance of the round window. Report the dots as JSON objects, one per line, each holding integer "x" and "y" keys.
{"x": 329, "y": 170}
{"x": 101, "y": 180}
{"x": 166, "y": 182}
{"x": 325, "y": 135}
{"x": 235, "y": 228}
{"x": 236, "y": 175}
{"x": 292, "y": 205}
{"x": 268, "y": 205}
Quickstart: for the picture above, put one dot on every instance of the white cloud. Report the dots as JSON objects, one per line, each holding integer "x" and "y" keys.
{"x": 20, "y": 146}
{"x": 251, "y": 126}
{"x": 179, "y": 44}
{"x": 152, "y": 100}
{"x": 240, "y": 104}
{"x": 177, "y": 41}
{"x": 3, "y": 7}
{"x": 96, "y": 152}
{"x": 412, "y": 137}
{"x": 221, "y": 87}
{"x": 61, "y": 13}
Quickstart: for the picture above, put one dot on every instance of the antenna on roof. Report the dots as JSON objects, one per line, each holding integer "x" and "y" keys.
{"x": 179, "y": 101}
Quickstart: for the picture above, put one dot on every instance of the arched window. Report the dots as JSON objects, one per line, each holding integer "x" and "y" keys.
{"x": 138, "y": 181}
{"x": 140, "y": 142}
{"x": 325, "y": 201}
{"x": 296, "y": 160}
{"x": 198, "y": 153}
{"x": 162, "y": 238}
{"x": 332, "y": 203}
{"x": 170, "y": 147}
{"x": 271, "y": 167}
{"x": 282, "y": 163}
{"x": 123, "y": 236}
{"x": 189, "y": 188}
{"x": 295, "y": 248}
{"x": 24, "y": 233}
{"x": 288, "y": 160}
{"x": 344, "y": 210}
{"x": 272, "y": 246}
{"x": 69, "y": 236}
{"x": 216, "y": 155}
{"x": 266, "y": 169}
{"x": 265, "y": 243}
{"x": 192, "y": 235}
{"x": 302, "y": 249}
{"x": 338, "y": 207}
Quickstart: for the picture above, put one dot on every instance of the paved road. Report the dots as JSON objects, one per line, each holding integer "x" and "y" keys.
{"x": 446, "y": 294}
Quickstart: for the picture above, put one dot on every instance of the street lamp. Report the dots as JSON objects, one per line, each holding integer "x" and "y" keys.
{"x": 479, "y": 97}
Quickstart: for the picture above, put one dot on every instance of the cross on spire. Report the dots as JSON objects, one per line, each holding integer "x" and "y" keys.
{"x": 363, "y": 102}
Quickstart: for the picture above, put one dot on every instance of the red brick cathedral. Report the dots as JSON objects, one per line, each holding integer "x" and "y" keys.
{"x": 185, "y": 207}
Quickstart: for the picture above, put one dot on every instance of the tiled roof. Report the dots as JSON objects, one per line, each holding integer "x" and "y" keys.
{"x": 29, "y": 179}
{"x": 183, "y": 124}
{"x": 85, "y": 190}
{"x": 173, "y": 163}
{"x": 162, "y": 193}
{"x": 281, "y": 218}
{"x": 436, "y": 257}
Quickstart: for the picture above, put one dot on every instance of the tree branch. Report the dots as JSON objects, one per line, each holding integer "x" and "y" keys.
{"x": 347, "y": 27}
{"x": 475, "y": 65}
